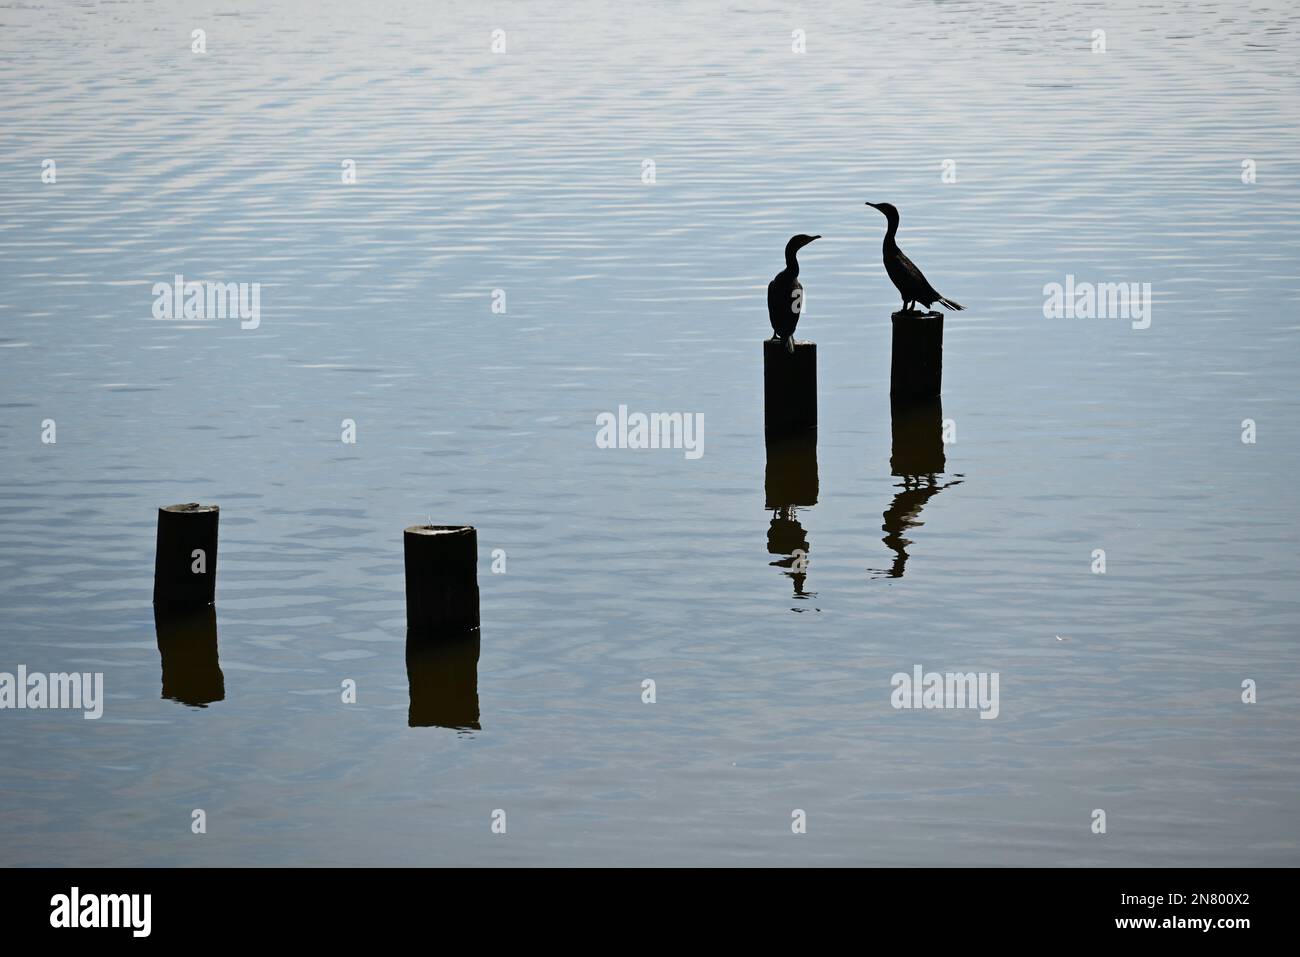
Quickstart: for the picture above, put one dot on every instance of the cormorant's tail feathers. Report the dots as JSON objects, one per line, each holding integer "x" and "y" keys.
{"x": 951, "y": 305}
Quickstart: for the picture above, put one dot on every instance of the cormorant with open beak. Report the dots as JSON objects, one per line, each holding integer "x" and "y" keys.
{"x": 785, "y": 295}
{"x": 909, "y": 281}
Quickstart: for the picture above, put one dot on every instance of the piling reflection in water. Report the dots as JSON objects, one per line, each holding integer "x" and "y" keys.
{"x": 187, "y": 643}
{"x": 443, "y": 675}
{"x": 790, "y": 483}
{"x": 917, "y": 457}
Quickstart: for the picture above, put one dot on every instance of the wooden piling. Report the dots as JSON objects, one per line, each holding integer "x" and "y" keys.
{"x": 916, "y": 368}
{"x": 789, "y": 388}
{"x": 185, "y": 558}
{"x": 441, "y": 579}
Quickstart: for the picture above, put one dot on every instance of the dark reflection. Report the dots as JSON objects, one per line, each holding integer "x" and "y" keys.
{"x": 917, "y": 457}
{"x": 443, "y": 675}
{"x": 187, "y": 642}
{"x": 790, "y": 483}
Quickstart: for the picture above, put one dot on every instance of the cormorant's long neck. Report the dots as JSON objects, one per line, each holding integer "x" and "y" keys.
{"x": 891, "y": 233}
{"x": 792, "y": 264}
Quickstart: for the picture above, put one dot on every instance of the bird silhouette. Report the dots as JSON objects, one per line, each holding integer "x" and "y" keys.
{"x": 909, "y": 281}
{"x": 785, "y": 294}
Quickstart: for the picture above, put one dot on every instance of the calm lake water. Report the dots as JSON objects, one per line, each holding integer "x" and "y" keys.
{"x": 524, "y": 171}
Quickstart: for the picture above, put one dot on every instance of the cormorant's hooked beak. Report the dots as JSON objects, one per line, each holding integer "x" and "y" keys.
{"x": 811, "y": 238}
{"x": 872, "y": 205}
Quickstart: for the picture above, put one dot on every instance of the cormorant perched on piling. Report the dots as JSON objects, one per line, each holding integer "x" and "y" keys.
{"x": 911, "y": 285}
{"x": 785, "y": 295}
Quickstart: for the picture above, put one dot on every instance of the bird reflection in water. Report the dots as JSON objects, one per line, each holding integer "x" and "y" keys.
{"x": 789, "y": 484}
{"x": 917, "y": 458}
{"x": 187, "y": 644}
{"x": 443, "y": 675}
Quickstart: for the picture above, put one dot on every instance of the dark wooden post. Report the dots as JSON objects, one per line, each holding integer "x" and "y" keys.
{"x": 185, "y": 559}
{"x": 789, "y": 388}
{"x": 916, "y": 370}
{"x": 441, "y": 579}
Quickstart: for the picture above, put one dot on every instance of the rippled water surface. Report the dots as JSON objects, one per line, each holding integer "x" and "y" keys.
{"x": 523, "y": 172}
